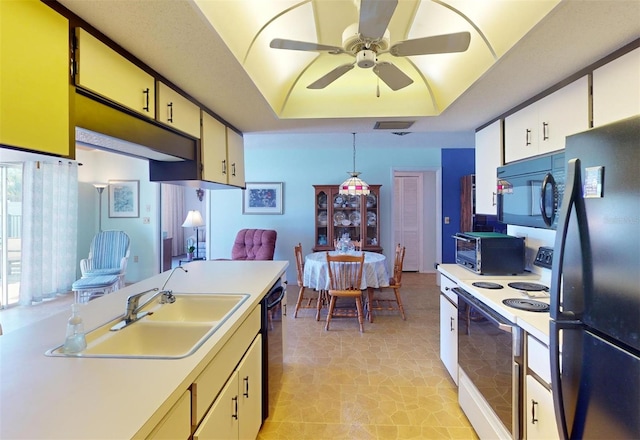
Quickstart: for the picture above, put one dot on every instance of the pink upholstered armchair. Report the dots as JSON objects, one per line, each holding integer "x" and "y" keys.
{"x": 254, "y": 244}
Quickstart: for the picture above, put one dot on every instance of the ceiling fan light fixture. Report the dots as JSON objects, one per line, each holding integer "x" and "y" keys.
{"x": 354, "y": 186}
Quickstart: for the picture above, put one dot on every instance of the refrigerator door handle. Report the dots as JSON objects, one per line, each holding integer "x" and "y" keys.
{"x": 556, "y": 375}
{"x": 572, "y": 199}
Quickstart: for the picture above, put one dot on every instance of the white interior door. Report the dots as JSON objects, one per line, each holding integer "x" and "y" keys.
{"x": 408, "y": 217}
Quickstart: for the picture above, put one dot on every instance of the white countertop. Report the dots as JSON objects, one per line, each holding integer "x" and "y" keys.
{"x": 59, "y": 397}
{"x": 534, "y": 323}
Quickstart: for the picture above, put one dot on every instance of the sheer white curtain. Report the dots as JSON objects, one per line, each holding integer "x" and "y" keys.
{"x": 173, "y": 214}
{"x": 49, "y": 229}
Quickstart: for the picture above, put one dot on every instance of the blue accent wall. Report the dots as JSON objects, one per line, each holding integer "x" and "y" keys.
{"x": 456, "y": 162}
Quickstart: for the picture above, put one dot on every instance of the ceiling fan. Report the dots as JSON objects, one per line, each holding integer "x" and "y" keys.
{"x": 369, "y": 38}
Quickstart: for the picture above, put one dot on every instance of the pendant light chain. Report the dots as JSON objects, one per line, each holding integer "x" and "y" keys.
{"x": 354, "y": 186}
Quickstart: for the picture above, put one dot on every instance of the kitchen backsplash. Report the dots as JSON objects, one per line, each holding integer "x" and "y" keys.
{"x": 534, "y": 238}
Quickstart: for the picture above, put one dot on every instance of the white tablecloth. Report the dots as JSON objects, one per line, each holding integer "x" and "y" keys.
{"x": 316, "y": 274}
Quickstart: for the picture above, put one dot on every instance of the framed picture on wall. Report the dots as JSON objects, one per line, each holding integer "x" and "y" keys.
{"x": 124, "y": 198}
{"x": 262, "y": 198}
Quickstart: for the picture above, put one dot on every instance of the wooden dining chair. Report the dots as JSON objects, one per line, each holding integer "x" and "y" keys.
{"x": 319, "y": 299}
{"x": 377, "y": 300}
{"x": 345, "y": 279}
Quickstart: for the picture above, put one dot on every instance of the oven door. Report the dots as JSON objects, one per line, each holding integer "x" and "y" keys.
{"x": 489, "y": 353}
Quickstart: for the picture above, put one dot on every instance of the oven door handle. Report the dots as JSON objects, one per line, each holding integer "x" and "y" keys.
{"x": 489, "y": 314}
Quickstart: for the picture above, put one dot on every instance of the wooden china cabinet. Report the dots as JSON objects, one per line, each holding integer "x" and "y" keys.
{"x": 357, "y": 216}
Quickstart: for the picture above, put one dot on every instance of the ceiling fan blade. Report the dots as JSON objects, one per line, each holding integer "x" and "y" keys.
{"x": 330, "y": 77}
{"x": 279, "y": 43}
{"x": 448, "y": 43}
{"x": 395, "y": 78}
{"x": 375, "y": 16}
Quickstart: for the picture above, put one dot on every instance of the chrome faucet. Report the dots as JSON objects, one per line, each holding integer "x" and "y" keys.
{"x": 133, "y": 314}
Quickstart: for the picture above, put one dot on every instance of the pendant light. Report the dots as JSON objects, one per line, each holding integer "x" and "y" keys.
{"x": 354, "y": 186}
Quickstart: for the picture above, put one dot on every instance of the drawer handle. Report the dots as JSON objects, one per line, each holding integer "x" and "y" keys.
{"x": 534, "y": 420}
{"x": 246, "y": 387}
{"x": 235, "y": 409}
{"x": 170, "y": 112}
{"x": 146, "y": 93}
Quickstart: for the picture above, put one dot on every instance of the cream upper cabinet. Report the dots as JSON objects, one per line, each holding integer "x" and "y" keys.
{"x": 488, "y": 159}
{"x": 235, "y": 153}
{"x": 214, "y": 150}
{"x": 103, "y": 71}
{"x": 543, "y": 126}
{"x": 177, "y": 111}
{"x": 34, "y": 79}
{"x": 616, "y": 89}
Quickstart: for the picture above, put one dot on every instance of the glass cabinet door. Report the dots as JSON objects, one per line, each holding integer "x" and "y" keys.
{"x": 355, "y": 216}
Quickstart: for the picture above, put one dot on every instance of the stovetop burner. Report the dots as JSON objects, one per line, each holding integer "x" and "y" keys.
{"x": 487, "y": 285}
{"x": 530, "y": 305}
{"x": 530, "y": 287}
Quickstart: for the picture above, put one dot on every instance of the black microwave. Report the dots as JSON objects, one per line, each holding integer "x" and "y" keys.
{"x": 490, "y": 253}
{"x": 530, "y": 191}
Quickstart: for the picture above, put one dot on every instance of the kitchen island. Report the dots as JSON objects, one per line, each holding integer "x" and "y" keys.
{"x": 76, "y": 397}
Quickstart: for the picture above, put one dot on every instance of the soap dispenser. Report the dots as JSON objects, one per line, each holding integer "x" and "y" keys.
{"x": 75, "y": 340}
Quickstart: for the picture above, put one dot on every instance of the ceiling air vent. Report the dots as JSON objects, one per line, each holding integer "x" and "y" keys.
{"x": 393, "y": 125}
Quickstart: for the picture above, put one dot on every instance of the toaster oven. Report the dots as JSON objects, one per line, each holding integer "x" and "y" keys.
{"x": 490, "y": 253}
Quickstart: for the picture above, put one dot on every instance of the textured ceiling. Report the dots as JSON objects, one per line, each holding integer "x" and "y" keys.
{"x": 173, "y": 37}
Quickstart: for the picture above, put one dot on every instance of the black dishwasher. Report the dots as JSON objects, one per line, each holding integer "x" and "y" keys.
{"x": 273, "y": 311}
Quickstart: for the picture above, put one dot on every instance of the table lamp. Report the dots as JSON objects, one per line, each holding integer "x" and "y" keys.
{"x": 194, "y": 220}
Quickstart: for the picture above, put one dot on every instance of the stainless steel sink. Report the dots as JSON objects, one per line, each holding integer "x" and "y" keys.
{"x": 169, "y": 331}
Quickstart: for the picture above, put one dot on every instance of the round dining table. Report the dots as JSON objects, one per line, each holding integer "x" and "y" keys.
{"x": 374, "y": 273}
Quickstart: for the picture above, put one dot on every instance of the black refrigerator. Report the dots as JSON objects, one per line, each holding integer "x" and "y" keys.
{"x": 595, "y": 287}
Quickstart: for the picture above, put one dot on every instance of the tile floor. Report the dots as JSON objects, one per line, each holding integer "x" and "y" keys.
{"x": 386, "y": 383}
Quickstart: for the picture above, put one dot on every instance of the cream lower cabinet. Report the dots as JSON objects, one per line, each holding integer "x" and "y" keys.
{"x": 177, "y": 423}
{"x": 449, "y": 327}
{"x": 539, "y": 415}
{"x": 34, "y": 86}
{"x": 616, "y": 89}
{"x": 237, "y": 411}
